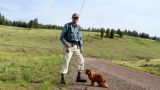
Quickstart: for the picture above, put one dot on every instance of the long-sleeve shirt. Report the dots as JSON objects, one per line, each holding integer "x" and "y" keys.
{"x": 71, "y": 32}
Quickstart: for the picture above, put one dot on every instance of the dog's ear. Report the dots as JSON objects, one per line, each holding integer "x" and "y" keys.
{"x": 87, "y": 70}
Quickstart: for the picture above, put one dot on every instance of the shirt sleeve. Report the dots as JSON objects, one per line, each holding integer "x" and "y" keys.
{"x": 81, "y": 39}
{"x": 62, "y": 37}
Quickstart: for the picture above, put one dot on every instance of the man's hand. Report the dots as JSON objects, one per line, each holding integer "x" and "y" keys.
{"x": 81, "y": 50}
{"x": 67, "y": 45}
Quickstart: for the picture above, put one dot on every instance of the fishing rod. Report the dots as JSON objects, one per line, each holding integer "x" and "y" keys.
{"x": 82, "y": 6}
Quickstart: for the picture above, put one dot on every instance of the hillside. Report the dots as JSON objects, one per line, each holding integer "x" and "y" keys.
{"x": 31, "y": 59}
{"x": 47, "y": 41}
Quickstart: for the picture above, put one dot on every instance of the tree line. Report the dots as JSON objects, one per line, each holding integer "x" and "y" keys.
{"x": 109, "y": 33}
{"x": 31, "y": 24}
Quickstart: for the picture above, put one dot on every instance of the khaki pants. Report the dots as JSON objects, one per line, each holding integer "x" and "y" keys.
{"x": 67, "y": 57}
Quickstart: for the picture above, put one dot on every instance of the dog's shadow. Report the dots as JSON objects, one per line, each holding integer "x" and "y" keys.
{"x": 82, "y": 84}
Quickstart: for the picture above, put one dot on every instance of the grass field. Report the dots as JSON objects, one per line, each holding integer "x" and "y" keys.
{"x": 151, "y": 66}
{"x": 27, "y": 59}
{"x": 30, "y": 59}
{"x": 15, "y": 39}
{"x": 19, "y": 71}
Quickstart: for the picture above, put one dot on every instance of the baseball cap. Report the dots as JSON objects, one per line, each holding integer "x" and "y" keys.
{"x": 75, "y": 15}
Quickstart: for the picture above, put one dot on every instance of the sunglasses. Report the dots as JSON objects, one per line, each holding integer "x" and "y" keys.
{"x": 76, "y": 17}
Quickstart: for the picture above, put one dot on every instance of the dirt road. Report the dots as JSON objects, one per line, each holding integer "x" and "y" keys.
{"x": 119, "y": 77}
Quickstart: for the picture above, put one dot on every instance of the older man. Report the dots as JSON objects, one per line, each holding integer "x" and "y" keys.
{"x": 71, "y": 38}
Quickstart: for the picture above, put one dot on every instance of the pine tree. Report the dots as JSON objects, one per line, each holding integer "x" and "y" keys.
{"x": 102, "y": 33}
{"x": 154, "y": 38}
{"x": 7, "y": 22}
{"x": 89, "y": 29}
{"x": 112, "y": 34}
{"x": 108, "y": 33}
{"x": 118, "y": 31}
{"x": 125, "y": 32}
{"x": 120, "y": 34}
{"x": 3, "y": 20}
{"x": 0, "y": 19}
{"x": 49, "y": 26}
{"x": 31, "y": 24}
{"x": 35, "y": 23}
{"x": 135, "y": 33}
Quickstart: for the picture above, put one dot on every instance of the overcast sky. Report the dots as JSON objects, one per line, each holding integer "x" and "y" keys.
{"x": 139, "y": 15}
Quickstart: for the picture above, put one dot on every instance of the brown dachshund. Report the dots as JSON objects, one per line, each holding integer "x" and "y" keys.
{"x": 95, "y": 77}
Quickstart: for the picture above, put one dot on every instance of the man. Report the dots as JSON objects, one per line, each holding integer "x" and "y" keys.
{"x": 71, "y": 38}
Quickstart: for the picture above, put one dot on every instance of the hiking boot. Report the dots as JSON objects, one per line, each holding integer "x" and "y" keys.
{"x": 80, "y": 79}
{"x": 63, "y": 80}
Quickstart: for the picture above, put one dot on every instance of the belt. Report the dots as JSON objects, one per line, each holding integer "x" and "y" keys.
{"x": 74, "y": 42}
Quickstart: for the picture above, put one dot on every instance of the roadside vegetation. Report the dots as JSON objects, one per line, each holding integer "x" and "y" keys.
{"x": 149, "y": 65}
{"x": 19, "y": 71}
{"x": 27, "y": 60}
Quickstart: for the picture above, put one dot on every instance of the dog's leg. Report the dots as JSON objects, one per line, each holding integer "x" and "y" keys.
{"x": 100, "y": 84}
{"x": 92, "y": 83}
{"x": 105, "y": 85}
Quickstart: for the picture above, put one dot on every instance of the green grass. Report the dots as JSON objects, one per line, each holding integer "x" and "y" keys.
{"x": 28, "y": 72}
{"x": 27, "y": 59}
{"x": 47, "y": 41}
{"x": 30, "y": 59}
{"x": 128, "y": 48}
{"x": 151, "y": 66}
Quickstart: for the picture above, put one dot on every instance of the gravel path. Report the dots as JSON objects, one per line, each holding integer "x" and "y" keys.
{"x": 119, "y": 77}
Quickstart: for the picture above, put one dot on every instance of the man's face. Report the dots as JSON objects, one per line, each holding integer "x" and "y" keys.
{"x": 75, "y": 20}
